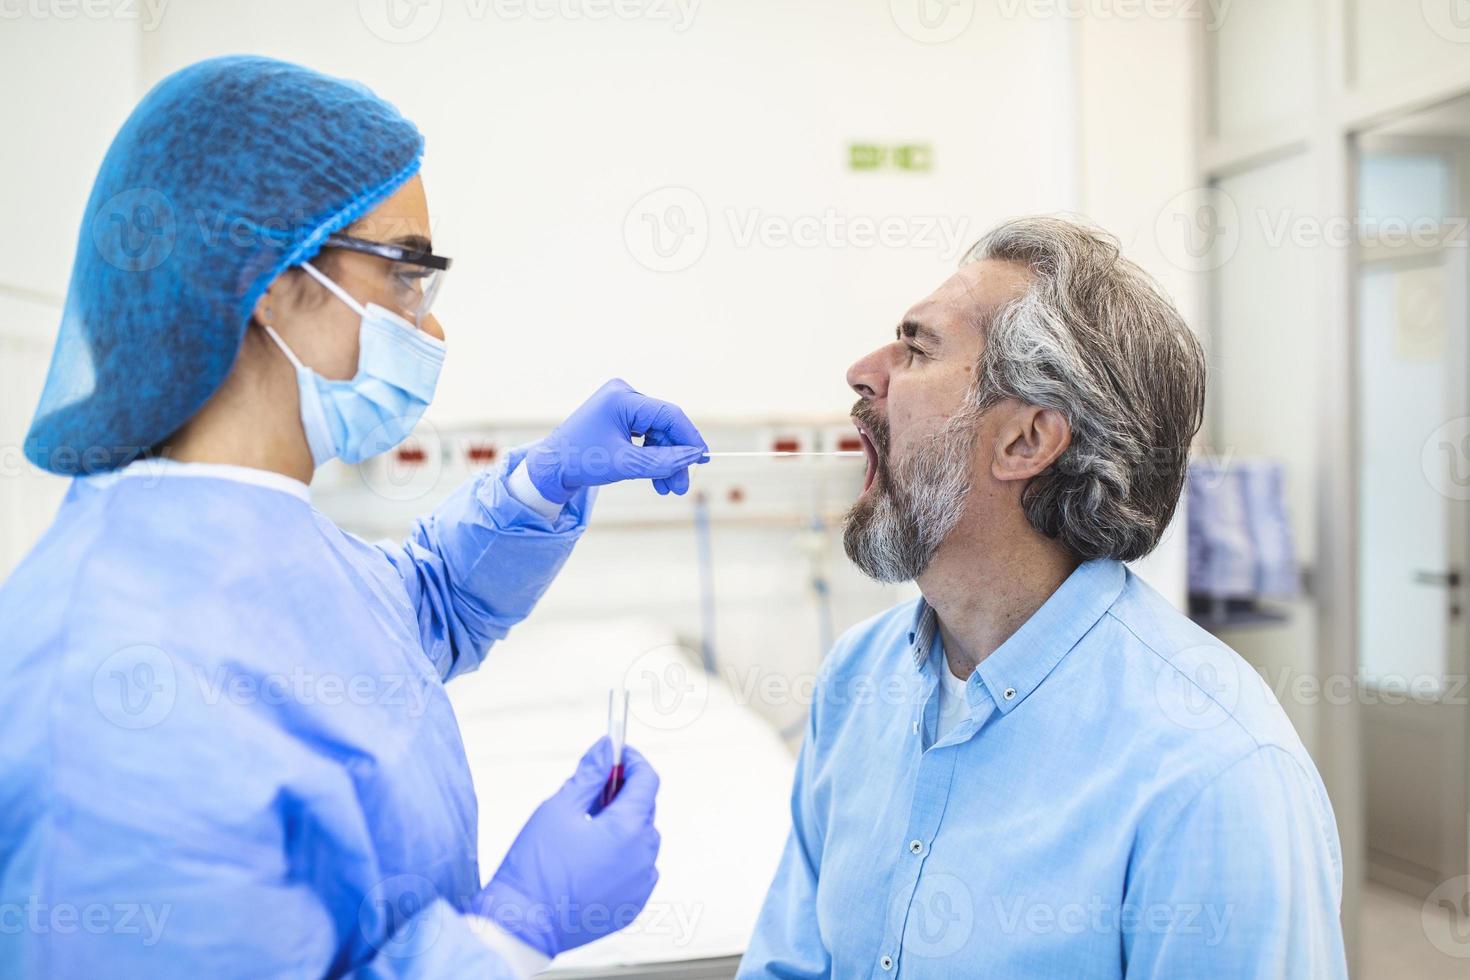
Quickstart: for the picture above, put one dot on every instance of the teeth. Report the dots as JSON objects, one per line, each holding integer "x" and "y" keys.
{"x": 870, "y": 451}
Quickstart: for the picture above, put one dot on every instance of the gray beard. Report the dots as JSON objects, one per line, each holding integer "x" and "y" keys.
{"x": 893, "y": 533}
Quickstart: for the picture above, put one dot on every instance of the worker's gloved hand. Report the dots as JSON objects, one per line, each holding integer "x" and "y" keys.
{"x": 594, "y": 447}
{"x": 570, "y": 878}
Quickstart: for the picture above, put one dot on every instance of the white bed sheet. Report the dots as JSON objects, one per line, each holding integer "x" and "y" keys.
{"x": 539, "y": 701}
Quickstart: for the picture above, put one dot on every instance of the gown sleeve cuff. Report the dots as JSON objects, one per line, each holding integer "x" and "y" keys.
{"x": 519, "y": 486}
{"x": 521, "y": 959}
{"x": 513, "y": 504}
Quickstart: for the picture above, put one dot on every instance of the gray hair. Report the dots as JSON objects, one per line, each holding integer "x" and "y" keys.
{"x": 1095, "y": 339}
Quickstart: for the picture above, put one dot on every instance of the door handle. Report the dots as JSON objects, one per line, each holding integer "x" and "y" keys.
{"x": 1449, "y": 579}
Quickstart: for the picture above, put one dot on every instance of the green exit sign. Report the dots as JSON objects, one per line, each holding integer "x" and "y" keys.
{"x": 913, "y": 157}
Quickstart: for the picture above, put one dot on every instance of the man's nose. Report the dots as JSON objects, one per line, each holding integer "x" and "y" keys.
{"x": 869, "y": 376}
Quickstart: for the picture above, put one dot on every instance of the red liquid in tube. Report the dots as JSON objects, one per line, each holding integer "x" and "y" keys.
{"x": 613, "y": 784}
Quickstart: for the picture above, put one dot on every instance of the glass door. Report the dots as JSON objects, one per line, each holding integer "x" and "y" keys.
{"x": 1413, "y": 470}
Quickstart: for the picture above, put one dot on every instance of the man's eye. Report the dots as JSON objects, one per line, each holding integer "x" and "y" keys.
{"x": 914, "y": 351}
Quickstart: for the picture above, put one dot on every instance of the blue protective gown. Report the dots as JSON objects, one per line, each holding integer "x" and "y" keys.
{"x": 227, "y": 747}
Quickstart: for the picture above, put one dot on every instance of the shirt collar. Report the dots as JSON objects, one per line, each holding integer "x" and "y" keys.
{"x": 1022, "y": 662}
{"x": 921, "y": 632}
{"x": 156, "y": 468}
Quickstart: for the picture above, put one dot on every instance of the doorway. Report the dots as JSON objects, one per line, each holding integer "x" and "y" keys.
{"x": 1412, "y": 434}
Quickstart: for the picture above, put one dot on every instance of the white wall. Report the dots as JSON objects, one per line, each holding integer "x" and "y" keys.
{"x": 1393, "y": 40}
{"x": 542, "y": 135}
{"x": 68, "y": 85}
{"x": 545, "y": 137}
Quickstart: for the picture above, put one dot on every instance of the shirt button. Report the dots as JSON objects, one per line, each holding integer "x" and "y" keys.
{"x": 916, "y": 847}
{"x": 886, "y": 962}
{"x": 916, "y": 728}
{"x": 1010, "y": 692}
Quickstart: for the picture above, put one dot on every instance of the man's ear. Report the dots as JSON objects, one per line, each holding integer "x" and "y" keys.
{"x": 1028, "y": 440}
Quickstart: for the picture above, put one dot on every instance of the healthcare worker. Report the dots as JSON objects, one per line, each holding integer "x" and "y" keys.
{"x": 225, "y": 745}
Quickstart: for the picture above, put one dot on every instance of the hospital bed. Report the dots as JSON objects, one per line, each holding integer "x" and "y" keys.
{"x": 748, "y": 567}
{"x": 539, "y": 701}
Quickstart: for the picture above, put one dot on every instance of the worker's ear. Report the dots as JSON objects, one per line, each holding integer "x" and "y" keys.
{"x": 1028, "y": 440}
{"x": 288, "y": 293}
{"x": 264, "y": 313}
{"x": 268, "y": 308}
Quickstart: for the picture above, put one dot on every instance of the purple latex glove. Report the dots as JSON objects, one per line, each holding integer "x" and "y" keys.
{"x": 594, "y": 446}
{"x": 570, "y": 877}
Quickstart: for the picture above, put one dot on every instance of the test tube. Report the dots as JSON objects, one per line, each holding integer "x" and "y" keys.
{"x": 617, "y": 734}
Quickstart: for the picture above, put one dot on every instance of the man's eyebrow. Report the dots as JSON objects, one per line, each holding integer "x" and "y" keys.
{"x": 914, "y": 330}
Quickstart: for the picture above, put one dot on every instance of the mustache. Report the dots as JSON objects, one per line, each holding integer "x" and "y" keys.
{"x": 875, "y": 424}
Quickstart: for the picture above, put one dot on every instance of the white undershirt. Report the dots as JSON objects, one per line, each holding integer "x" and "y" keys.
{"x": 520, "y": 486}
{"x": 954, "y": 707}
{"x": 158, "y": 467}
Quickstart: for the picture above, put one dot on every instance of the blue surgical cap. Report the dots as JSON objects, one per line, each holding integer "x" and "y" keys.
{"x": 228, "y": 172}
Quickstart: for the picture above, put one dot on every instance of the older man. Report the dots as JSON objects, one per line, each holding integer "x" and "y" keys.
{"x": 1041, "y": 769}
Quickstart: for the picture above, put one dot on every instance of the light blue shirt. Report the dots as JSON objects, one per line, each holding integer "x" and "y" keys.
{"x": 1125, "y": 799}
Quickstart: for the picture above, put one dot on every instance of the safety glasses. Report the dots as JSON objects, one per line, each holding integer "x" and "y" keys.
{"x": 415, "y": 277}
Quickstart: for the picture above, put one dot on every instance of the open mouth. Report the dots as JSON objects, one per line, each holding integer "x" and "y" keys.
{"x": 870, "y": 454}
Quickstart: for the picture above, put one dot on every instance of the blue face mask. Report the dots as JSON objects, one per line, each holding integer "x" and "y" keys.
{"x": 397, "y": 370}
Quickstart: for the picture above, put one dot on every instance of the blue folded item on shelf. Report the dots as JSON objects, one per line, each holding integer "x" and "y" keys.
{"x": 1240, "y": 538}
